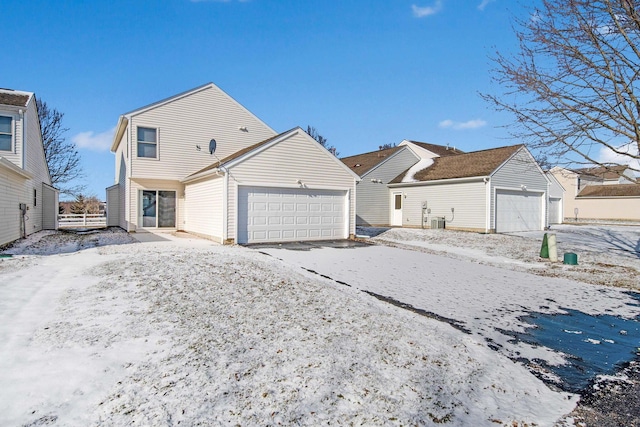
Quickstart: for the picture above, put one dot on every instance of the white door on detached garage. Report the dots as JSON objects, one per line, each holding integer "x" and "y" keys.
{"x": 269, "y": 214}
{"x": 518, "y": 211}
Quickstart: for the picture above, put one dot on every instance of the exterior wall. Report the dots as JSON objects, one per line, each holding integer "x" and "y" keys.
{"x": 372, "y": 201}
{"x": 11, "y": 195}
{"x": 282, "y": 165}
{"x": 520, "y": 170}
{"x": 189, "y": 121}
{"x": 468, "y": 199}
{"x": 204, "y": 208}
{"x": 113, "y": 206}
{"x": 122, "y": 168}
{"x": 49, "y": 207}
{"x": 606, "y": 208}
{"x": 133, "y": 199}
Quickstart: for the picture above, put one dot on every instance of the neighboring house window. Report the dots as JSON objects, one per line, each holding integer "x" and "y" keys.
{"x": 6, "y": 135}
{"x": 147, "y": 143}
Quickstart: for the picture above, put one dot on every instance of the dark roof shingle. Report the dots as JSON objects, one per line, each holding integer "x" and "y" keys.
{"x": 440, "y": 150}
{"x": 476, "y": 163}
{"x": 363, "y": 163}
{"x": 14, "y": 99}
{"x": 615, "y": 190}
{"x": 604, "y": 172}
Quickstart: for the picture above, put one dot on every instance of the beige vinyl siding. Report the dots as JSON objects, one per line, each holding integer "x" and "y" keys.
{"x": 189, "y": 121}
{"x": 607, "y": 208}
{"x": 204, "y": 208}
{"x": 36, "y": 164}
{"x": 122, "y": 167}
{"x": 11, "y": 195}
{"x": 135, "y": 186}
{"x": 295, "y": 158}
{"x": 49, "y": 207}
{"x": 466, "y": 198}
{"x": 520, "y": 170}
{"x": 372, "y": 201}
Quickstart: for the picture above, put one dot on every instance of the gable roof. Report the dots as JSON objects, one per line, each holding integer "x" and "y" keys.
{"x": 440, "y": 150}
{"x": 240, "y": 155}
{"x": 614, "y": 190}
{"x": 360, "y": 164}
{"x": 604, "y": 172}
{"x": 14, "y": 98}
{"x": 467, "y": 165}
{"x": 237, "y": 154}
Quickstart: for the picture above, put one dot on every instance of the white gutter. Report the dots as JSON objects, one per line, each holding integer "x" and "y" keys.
{"x": 437, "y": 182}
{"x": 24, "y": 137}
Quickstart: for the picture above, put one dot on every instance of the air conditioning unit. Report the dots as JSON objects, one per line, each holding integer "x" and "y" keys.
{"x": 437, "y": 222}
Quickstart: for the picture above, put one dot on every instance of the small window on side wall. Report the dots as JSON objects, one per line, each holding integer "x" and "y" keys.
{"x": 6, "y": 134}
{"x": 147, "y": 143}
{"x": 35, "y": 197}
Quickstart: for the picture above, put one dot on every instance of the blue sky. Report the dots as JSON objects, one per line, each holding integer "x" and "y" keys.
{"x": 364, "y": 73}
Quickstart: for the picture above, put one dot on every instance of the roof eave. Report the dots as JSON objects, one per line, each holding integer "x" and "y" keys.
{"x": 120, "y": 128}
{"x": 440, "y": 181}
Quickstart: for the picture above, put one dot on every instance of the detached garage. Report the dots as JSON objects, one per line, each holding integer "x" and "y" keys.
{"x": 268, "y": 193}
{"x": 498, "y": 190}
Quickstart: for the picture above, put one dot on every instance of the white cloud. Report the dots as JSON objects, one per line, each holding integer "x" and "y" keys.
{"x": 94, "y": 141}
{"x": 608, "y": 156}
{"x": 421, "y": 12}
{"x": 471, "y": 124}
{"x": 484, "y": 4}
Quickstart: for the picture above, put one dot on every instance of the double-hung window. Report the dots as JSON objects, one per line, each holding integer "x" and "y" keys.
{"x": 148, "y": 143}
{"x": 6, "y": 133}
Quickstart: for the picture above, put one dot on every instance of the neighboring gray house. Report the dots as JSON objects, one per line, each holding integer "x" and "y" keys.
{"x": 496, "y": 190}
{"x": 377, "y": 168}
{"x": 28, "y": 201}
{"x": 251, "y": 185}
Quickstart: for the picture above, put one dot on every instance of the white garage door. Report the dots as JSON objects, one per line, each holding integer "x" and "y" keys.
{"x": 290, "y": 214}
{"x": 555, "y": 214}
{"x": 518, "y": 211}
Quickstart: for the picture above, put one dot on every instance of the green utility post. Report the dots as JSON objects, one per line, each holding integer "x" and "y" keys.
{"x": 544, "y": 251}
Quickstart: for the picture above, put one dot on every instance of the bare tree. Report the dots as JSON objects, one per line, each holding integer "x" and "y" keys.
{"x": 313, "y": 133}
{"x": 573, "y": 86}
{"x": 386, "y": 146}
{"x": 62, "y": 156}
{"x": 85, "y": 205}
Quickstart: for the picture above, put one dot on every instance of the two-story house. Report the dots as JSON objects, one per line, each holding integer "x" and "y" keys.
{"x": 201, "y": 162}
{"x": 28, "y": 201}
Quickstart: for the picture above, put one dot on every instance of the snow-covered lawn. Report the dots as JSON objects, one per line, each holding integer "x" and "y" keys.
{"x": 182, "y": 331}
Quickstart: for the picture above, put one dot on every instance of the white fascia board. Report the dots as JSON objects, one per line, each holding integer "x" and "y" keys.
{"x": 202, "y": 175}
{"x": 15, "y": 169}
{"x": 123, "y": 122}
{"x": 438, "y": 182}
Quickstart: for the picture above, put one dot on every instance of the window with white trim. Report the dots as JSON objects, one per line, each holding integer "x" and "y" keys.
{"x": 6, "y": 133}
{"x": 147, "y": 143}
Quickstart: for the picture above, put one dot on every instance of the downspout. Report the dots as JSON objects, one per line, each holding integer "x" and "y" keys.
{"x": 24, "y": 138}
{"x": 225, "y": 209}
{"x": 487, "y": 223}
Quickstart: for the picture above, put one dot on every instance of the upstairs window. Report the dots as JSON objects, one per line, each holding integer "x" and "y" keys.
{"x": 147, "y": 143}
{"x": 6, "y": 134}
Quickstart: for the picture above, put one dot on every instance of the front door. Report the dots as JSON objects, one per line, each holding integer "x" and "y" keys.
{"x": 396, "y": 204}
{"x": 157, "y": 209}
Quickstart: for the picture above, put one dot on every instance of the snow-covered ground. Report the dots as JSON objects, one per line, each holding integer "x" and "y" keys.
{"x": 180, "y": 330}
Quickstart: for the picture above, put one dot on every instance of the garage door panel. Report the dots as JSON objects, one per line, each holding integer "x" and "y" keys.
{"x": 284, "y": 214}
{"x": 518, "y": 211}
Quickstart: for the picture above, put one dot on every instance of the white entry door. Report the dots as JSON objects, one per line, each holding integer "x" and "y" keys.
{"x": 268, "y": 214}
{"x": 396, "y": 205}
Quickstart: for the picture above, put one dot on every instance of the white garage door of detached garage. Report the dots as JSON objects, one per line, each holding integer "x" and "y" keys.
{"x": 518, "y": 211}
{"x": 267, "y": 214}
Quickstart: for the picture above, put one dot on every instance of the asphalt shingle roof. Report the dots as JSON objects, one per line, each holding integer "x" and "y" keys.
{"x": 476, "y": 163}
{"x": 363, "y": 163}
{"x": 440, "y": 150}
{"x": 615, "y": 190}
{"x": 14, "y": 99}
{"x": 611, "y": 172}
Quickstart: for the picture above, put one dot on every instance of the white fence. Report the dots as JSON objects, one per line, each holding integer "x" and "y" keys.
{"x": 82, "y": 220}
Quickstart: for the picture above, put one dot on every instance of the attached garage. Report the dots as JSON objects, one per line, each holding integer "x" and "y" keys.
{"x": 519, "y": 211}
{"x": 268, "y": 214}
